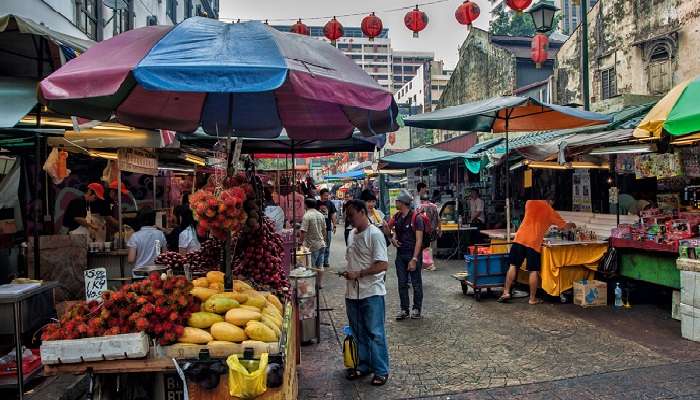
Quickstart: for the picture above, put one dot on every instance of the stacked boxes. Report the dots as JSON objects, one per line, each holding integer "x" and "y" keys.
{"x": 690, "y": 298}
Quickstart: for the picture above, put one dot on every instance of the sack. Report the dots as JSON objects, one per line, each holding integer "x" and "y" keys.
{"x": 247, "y": 379}
{"x": 350, "y": 357}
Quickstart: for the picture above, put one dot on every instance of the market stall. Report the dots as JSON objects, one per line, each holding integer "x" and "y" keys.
{"x": 245, "y": 316}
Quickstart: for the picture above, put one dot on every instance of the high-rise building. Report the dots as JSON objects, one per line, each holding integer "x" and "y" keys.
{"x": 374, "y": 56}
{"x": 425, "y": 89}
{"x": 570, "y": 15}
{"x": 391, "y": 69}
{"x": 405, "y": 65}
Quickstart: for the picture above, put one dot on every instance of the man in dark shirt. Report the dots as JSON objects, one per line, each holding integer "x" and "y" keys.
{"x": 408, "y": 238}
{"x": 76, "y": 213}
{"x": 331, "y": 220}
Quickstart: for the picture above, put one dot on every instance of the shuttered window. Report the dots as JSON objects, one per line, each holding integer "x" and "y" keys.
{"x": 608, "y": 83}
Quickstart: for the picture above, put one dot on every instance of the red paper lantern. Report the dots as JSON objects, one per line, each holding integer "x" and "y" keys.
{"x": 518, "y": 5}
{"x": 467, "y": 12}
{"x": 539, "y": 49}
{"x": 300, "y": 28}
{"x": 371, "y": 26}
{"x": 415, "y": 20}
{"x": 333, "y": 30}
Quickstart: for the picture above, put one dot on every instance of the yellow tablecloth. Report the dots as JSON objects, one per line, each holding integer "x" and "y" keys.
{"x": 564, "y": 265}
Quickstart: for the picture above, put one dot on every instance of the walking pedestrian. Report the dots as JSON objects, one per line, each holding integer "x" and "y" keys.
{"x": 312, "y": 233}
{"x": 407, "y": 236}
{"x": 331, "y": 220}
{"x": 539, "y": 217}
{"x": 367, "y": 262}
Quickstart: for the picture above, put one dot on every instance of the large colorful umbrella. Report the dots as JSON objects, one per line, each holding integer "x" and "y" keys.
{"x": 247, "y": 79}
{"x": 676, "y": 113}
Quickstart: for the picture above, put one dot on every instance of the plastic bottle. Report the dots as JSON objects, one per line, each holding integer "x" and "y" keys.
{"x": 618, "y": 295}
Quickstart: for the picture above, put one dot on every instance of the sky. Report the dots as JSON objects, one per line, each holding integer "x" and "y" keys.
{"x": 443, "y": 35}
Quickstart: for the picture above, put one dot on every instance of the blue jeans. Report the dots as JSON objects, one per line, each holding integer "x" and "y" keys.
{"x": 317, "y": 258}
{"x": 327, "y": 252}
{"x": 366, "y": 318}
{"x": 403, "y": 275}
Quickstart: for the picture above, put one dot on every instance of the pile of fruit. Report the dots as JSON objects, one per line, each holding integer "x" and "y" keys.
{"x": 258, "y": 257}
{"x": 209, "y": 258}
{"x": 219, "y": 214}
{"x": 159, "y": 307}
{"x": 243, "y": 315}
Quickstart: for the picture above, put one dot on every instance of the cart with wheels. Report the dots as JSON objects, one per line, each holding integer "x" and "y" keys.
{"x": 484, "y": 271}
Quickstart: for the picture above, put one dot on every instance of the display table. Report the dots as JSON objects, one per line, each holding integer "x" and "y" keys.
{"x": 454, "y": 239}
{"x": 287, "y": 391}
{"x": 16, "y": 304}
{"x": 565, "y": 262}
{"x": 647, "y": 261}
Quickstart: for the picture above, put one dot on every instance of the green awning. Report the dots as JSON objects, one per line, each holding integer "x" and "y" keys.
{"x": 18, "y": 97}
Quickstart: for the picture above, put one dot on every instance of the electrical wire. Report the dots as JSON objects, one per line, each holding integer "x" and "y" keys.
{"x": 354, "y": 14}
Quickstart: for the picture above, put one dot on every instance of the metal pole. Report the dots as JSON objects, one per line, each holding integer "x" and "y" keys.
{"x": 294, "y": 195}
{"x": 584, "y": 56}
{"x": 154, "y": 190}
{"x": 17, "y": 308}
{"x": 120, "y": 239}
{"x": 37, "y": 206}
{"x": 507, "y": 183}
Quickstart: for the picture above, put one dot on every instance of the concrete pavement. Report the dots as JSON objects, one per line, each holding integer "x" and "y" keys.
{"x": 467, "y": 349}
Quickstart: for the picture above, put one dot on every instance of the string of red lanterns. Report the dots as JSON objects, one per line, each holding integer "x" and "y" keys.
{"x": 415, "y": 20}
{"x": 539, "y": 49}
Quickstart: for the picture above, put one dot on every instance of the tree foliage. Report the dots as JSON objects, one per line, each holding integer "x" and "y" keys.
{"x": 515, "y": 24}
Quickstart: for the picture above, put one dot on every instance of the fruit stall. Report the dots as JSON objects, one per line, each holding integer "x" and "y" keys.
{"x": 190, "y": 327}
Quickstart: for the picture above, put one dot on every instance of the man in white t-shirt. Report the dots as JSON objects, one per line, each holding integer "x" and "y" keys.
{"x": 367, "y": 262}
{"x": 142, "y": 244}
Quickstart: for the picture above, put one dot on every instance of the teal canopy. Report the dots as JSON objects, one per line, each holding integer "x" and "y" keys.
{"x": 419, "y": 157}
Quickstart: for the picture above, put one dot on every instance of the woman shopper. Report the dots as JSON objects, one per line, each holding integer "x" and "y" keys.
{"x": 188, "y": 242}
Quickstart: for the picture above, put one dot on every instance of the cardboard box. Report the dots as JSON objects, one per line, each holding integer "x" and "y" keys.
{"x": 690, "y": 322}
{"x": 590, "y": 293}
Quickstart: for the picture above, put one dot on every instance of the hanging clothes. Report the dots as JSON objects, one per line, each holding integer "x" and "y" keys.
{"x": 55, "y": 165}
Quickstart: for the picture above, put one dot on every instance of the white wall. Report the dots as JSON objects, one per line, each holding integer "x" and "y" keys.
{"x": 412, "y": 90}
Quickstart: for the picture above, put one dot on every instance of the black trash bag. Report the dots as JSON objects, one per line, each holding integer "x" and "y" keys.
{"x": 205, "y": 373}
{"x": 275, "y": 375}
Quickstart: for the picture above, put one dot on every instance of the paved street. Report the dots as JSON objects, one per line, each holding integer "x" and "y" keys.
{"x": 462, "y": 349}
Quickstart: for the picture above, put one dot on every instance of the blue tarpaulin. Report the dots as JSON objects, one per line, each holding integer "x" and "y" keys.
{"x": 346, "y": 176}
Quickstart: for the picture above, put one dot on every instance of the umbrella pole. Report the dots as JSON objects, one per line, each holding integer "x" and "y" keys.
{"x": 120, "y": 239}
{"x": 508, "y": 228}
{"x": 294, "y": 195}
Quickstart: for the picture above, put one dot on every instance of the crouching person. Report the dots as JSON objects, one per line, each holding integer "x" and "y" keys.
{"x": 367, "y": 262}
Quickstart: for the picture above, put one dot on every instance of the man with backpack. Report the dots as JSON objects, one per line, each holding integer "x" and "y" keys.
{"x": 409, "y": 227}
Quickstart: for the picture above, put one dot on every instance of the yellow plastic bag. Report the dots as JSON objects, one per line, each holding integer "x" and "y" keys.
{"x": 350, "y": 358}
{"x": 250, "y": 382}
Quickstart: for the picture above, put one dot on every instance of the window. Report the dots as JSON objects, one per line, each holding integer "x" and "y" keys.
{"x": 171, "y": 10}
{"x": 608, "y": 83}
{"x": 659, "y": 72}
{"x": 87, "y": 17}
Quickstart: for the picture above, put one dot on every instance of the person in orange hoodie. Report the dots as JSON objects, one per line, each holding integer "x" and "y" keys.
{"x": 527, "y": 246}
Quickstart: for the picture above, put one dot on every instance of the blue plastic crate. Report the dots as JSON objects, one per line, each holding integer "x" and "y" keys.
{"x": 486, "y": 270}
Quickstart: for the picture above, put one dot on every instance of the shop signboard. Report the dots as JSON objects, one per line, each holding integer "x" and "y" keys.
{"x": 582, "y": 191}
{"x": 137, "y": 161}
{"x": 393, "y": 195}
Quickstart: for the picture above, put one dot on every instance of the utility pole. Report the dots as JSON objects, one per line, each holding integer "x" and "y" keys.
{"x": 584, "y": 56}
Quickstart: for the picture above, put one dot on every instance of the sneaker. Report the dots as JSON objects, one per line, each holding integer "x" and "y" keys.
{"x": 403, "y": 314}
{"x": 415, "y": 314}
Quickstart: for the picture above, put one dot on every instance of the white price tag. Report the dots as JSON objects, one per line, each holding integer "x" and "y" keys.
{"x": 95, "y": 283}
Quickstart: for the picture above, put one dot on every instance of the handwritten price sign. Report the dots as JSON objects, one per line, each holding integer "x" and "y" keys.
{"x": 95, "y": 283}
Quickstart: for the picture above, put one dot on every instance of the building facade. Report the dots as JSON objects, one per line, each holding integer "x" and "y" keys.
{"x": 405, "y": 65}
{"x": 425, "y": 89}
{"x": 98, "y": 19}
{"x": 638, "y": 50}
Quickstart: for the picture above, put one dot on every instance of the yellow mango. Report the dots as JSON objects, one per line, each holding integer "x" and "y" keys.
{"x": 275, "y": 301}
{"x": 201, "y": 282}
{"x": 202, "y": 293}
{"x": 195, "y": 336}
{"x": 251, "y": 308}
{"x": 240, "y": 316}
{"x": 227, "y": 332}
{"x": 203, "y": 320}
{"x": 239, "y": 297}
{"x": 218, "y": 286}
{"x": 256, "y": 301}
{"x": 241, "y": 286}
{"x": 271, "y": 324}
{"x": 219, "y": 304}
{"x": 261, "y": 332}
{"x": 215, "y": 276}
